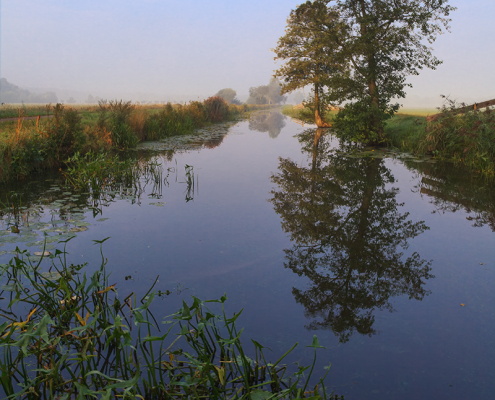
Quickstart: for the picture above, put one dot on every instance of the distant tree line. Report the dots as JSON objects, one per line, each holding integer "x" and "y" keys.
{"x": 266, "y": 94}
{"x": 10, "y": 93}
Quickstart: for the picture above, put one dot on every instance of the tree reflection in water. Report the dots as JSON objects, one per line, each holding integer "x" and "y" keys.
{"x": 348, "y": 234}
{"x": 271, "y": 122}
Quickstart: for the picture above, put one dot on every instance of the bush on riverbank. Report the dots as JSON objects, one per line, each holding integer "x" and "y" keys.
{"x": 79, "y": 339}
{"x": 467, "y": 139}
{"x": 27, "y": 145}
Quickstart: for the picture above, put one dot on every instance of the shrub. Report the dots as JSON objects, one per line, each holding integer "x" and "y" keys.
{"x": 467, "y": 138}
{"x": 217, "y": 109}
{"x": 357, "y": 122}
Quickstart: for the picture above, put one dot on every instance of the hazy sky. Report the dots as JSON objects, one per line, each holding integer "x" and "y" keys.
{"x": 196, "y": 47}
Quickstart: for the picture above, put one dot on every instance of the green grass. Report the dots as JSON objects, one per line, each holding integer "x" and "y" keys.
{"x": 465, "y": 139}
{"x": 24, "y": 110}
{"x": 65, "y": 333}
{"x": 305, "y": 114}
{"x": 406, "y": 132}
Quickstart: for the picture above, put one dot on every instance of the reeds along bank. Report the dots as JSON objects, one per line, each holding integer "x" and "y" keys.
{"x": 32, "y": 145}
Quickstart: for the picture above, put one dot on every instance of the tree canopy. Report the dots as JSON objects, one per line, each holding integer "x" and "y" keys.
{"x": 379, "y": 42}
{"x": 308, "y": 53}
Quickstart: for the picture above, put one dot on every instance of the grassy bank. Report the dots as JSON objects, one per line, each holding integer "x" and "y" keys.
{"x": 465, "y": 139}
{"x": 27, "y": 146}
{"x": 64, "y": 334}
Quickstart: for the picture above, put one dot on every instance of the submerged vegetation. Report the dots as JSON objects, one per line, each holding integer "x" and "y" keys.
{"x": 67, "y": 334}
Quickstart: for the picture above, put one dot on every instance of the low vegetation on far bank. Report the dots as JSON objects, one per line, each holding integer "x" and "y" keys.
{"x": 463, "y": 138}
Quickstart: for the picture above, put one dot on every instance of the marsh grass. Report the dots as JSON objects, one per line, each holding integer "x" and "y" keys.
{"x": 28, "y": 146}
{"x": 100, "y": 172}
{"x": 24, "y": 110}
{"x": 66, "y": 334}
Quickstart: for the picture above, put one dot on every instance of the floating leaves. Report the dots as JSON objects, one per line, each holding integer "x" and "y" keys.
{"x": 41, "y": 253}
{"x": 51, "y": 276}
{"x": 79, "y": 229}
{"x": 158, "y": 204}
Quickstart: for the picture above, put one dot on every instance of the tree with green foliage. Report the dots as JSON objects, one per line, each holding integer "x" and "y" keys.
{"x": 307, "y": 48}
{"x": 384, "y": 42}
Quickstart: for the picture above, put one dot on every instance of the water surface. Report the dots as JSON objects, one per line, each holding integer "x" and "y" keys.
{"x": 373, "y": 252}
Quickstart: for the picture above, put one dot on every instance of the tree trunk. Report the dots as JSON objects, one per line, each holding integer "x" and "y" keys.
{"x": 376, "y": 123}
{"x": 319, "y": 122}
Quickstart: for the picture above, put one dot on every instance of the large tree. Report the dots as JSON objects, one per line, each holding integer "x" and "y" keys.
{"x": 384, "y": 41}
{"x": 307, "y": 48}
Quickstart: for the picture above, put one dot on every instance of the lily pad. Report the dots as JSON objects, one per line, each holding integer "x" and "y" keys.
{"x": 47, "y": 247}
{"x": 41, "y": 253}
{"x": 79, "y": 229}
{"x": 158, "y": 204}
{"x": 51, "y": 276}
{"x": 82, "y": 223}
{"x": 102, "y": 219}
{"x": 11, "y": 287}
{"x": 33, "y": 244}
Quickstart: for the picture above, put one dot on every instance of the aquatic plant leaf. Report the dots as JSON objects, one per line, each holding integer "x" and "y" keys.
{"x": 316, "y": 343}
{"x": 102, "y": 219}
{"x": 41, "y": 253}
{"x": 258, "y": 394}
{"x": 11, "y": 287}
{"x": 51, "y": 276}
{"x": 79, "y": 229}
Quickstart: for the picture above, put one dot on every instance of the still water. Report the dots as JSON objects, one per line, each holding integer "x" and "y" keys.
{"x": 388, "y": 259}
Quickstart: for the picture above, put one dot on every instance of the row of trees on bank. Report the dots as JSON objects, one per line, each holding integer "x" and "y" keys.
{"x": 358, "y": 53}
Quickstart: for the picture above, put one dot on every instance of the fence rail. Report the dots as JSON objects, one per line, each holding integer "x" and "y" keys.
{"x": 472, "y": 107}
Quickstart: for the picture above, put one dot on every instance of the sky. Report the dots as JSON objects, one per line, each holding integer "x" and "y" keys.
{"x": 167, "y": 48}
